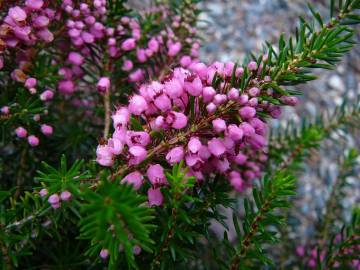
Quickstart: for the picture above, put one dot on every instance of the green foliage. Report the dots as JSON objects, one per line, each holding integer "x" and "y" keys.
{"x": 116, "y": 218}
{"x": 272, "y": 195}
{"x": 292, "y": 144}
{"x": 64, "y": 178}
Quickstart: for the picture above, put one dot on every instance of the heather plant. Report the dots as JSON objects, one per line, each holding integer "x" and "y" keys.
{"x": 120, "y": 148}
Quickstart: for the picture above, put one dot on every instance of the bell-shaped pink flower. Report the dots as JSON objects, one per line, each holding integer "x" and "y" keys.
{"x": 137, "y": 154}
{"x": 103, "y": 85}
{"x": 121, "y": 117}
{"x": 247, "y": 129}
{"x": 194, "y": 86}
{"x": 173, "y": 88}
{"x": 134, "y": 178}
{"x": 137, "y": 105}
{"x": 216, "y": 147}
{"x": 175, "y": 155}
{"x": 177, "y": 120}
{"x": 104, "y": 155}
{"x": 252, "y": 66}
{"x": 116, "y": 146}
{"x": 194, "y": 145}
{"x": 140, "y": 138}
{"x": 156, "y": 175}
{"x": 155, "y": 197}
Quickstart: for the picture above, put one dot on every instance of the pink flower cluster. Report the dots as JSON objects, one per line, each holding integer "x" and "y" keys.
{"x": 86, "y": 28}
{"x": 214, "y": 129}
{"x": 25, "y": 25}
{"x": 54, "y": 199}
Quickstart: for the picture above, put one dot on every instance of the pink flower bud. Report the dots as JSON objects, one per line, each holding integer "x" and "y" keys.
{"x": 194, "y": 145}
{"x": 163, "y": 103}
{"x": 54, "y": 199}
{"x": 153, "y": 45}
{"x": 240, "y": 159}
{"x": 247, "y": 129}
{"x": 45, "y": 35}
{"x": 5, "y": 110}
{"x": 46, "y": 129}
{"x": 30, "y": 83}
{"x": 136, "y": 250}
{"x": 41, "y": 21}
{"x": 21, "y": 132}
{"x": 247, "y": 112}
{"x": 136, "y": 76}
{"x": 254, "y": 91}
{"x": 175, "y": 155}
{"x": 46, "y": 95}
{"x": 75, "y": 58}
{"x": 137, "y": 105}
{"x": 17, "y": 14}
{"x": 141, "y": 55}
{"x": 233, "y": 94}
{"x": 155, "y": 197}
{"x": 216, "y": 147}
{"x": 104, "y": 253}
{"x": 211, "y": 108}
{"x": 219, "y": 125}
{"x": 66, "y": 87}
{"x": 156, "y": 175}
{"x": 234, "y": 132}
{"x": 56, "y": 205}
{"x": 129, "y": 44}
{"x": 65, "y": 195}
{"x": 134, "y": 178}
{"x": 33, "y": 140}
{"x": 252, "y": 66}
{"x": 43, "y": 192}
{"x": 291, "y": 101}
{"x": 208, "y": 94}
{"x": 174, "y": 49}
{"x": 128, "y": 65}
{"x": 185, "y": 61}
{"x": 103, "y": 85}
{"x": 237, "y": 182}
